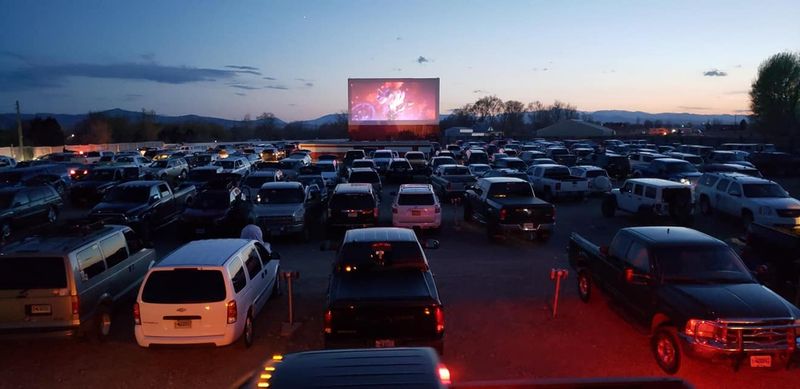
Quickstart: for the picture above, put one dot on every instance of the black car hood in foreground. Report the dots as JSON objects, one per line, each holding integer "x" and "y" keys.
{"x": 92, "y": 185}
{"x": 729, "y": 301}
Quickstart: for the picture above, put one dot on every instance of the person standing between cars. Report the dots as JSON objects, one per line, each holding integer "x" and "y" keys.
{"x": 252, "y": 231}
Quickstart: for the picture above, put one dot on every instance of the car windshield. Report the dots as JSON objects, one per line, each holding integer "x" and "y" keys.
{"x": 455, "y": 171}
{"x": 415, "y": 156}
{"x": 555, "y": 152}
{"x": 400, "y": 165}
{"x": 718, "y": 263}
{"x": 370, "y": 177}
{"x": 128, "y": 195}
{"x": 159, "y": 164}
{"x": 510, "y": 190}
{"x": 518, "y": 165}
{"x": 382, "y": 154}
{"x": 415, "y": 199}
{"x": 101, "y": 175}
{"x": 444, "y": 161}
{"x": 184, "y": 286}
{"x": 212, "y": 200}
{"x": 202, "y": 158}
{"x": 125, "y": 160}
{"x": 326, "y": 167}
{"x": 281, "y": 196}
{"x": 480, "y": 168}
{"x": 257, "y": 181}
{"x": 23, "y": 273}
{"x": 201, "y": 175}
{"x": 678, "y": 167}
{"x": 764, "y": 191}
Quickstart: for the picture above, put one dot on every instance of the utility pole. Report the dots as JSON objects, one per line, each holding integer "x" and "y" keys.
{"x": 19, "y": 132}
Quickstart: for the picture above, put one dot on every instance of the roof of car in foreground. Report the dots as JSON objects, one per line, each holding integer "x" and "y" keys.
{"x": 669, "y": 235}
{"x": 208, "y": 252}
{"x": 657, "y": 182}
{"x": 282, "y": 185}
{"x": 380, "y": 234}
{"x": 60, "y": 242}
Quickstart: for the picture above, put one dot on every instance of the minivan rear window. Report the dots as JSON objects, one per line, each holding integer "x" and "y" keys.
{"x": 184, "y": 286}
{"x": 32, "y": 273}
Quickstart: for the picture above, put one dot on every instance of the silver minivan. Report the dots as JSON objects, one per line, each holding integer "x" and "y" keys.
{"x": 69, "y": 283}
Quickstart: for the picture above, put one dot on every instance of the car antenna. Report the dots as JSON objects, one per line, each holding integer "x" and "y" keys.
{"x": 667, "y": 230}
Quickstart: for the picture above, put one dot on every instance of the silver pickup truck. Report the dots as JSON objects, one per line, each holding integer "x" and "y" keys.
{"x": 451, "y": 180}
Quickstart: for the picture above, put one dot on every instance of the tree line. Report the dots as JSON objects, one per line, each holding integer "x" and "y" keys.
{"x": 512, "y": 117}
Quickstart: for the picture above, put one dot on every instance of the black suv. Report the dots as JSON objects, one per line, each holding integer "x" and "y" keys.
{"x": 352, "y": 206}
{"x": 28, "y": 205}
{"x": 617, "y": 166}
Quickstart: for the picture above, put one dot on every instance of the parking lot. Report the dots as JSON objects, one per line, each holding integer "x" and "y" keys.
{"x": 497, "y": 299}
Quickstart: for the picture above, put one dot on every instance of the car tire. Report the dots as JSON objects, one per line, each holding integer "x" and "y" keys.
{"x": 584, "y": 286}
{"x": 102, "y": 323}
{"x": 705, "y": 205}
{"x": 52, "y": 215}
{"x": 609, "y": 206}
{"x": 666, "y": 349}
{"x": 276, "y": 287}
{"x": 747, "y": 218}
{"x": 248, "y": 332}
{"x": 467, "y": 212}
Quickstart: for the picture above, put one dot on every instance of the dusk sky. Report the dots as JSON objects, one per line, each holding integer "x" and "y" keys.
{"x": 293, "y": 58}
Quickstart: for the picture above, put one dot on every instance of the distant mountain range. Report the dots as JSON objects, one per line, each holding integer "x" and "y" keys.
{"x": 8, "y": 120}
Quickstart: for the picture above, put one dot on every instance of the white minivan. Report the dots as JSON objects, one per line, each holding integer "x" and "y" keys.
{"x": 206, "y": 292}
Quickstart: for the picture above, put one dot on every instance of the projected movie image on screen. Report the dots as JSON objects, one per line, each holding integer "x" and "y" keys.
{"x": 411, "y": 101}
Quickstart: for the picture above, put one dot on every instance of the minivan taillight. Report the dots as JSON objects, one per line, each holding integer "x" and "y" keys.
{"x": 503, "y": 214}
{"x": 328, "y": 321}
{"x": 375, "y": 212}
{"x": 232, "y": 312}
{"x": 76, "y": 306}
{"x": 437, "y": 209}
{"x": 444, "y": 374}
{"x": 439, "y": 320}
{"x": 137, "y": 315}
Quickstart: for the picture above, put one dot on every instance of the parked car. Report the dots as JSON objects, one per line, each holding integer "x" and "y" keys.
{"x": 362, "y": 175}
{"x": 599, "y": 181}
{"x": 450, "y": 181}
{"x": 692, "y": 292}
{"x": 270, "y": 153}
{"x": 508, "y": 205}
{"x": 141, "y": 162}
{"x": 70, "y": 282}
{"x": 561, "y": 156}
{"x": 167, "y": 169}
{"x": 617, "y": 166}
{"x": 202, "y": 175}
{"x": 476, "y": 156}
{"x": 505, "y": 173}
{"x": 417, "y": 206}
{"x": 291, "y": 167}
{"x": 330, "y": 172}
{"x": 541, "y": 161}
{"x": 775, "y": 163}
{"x": 352, "y": 155}
{"x": 214, "y": 212}
{"x": 238, "y": 165}
{"x": 752, "y": 199}
{"x": 253, "y": 182}
{"x": 382, "y": 159}
{"x": 511, "y": 163}
{"x": 399, "y": 170}
{"x": 651, "y": 198}
{"x": 382, "y": 293}
{"x": 418, "y": 162}
{"x": 671, "y": 169}
{"x": 144, "y": 205}
{"x": 352, "y": 206}
{"x": 443, "y": 160}
{"x": 285, "y": 208}
{"x": 207, "y": 291}
{"x": 364, "y": 163}
{"x": 205, "y": 159}
{"x": 477, "y": 169}
{"x": 556, "y": 181}
{"x": 91, "y": 189}
{"x": 26, "y": 206}
{"x": 695, "y": 160}
{"x": 55, "y": 175}
{"x": 6, "y": 161}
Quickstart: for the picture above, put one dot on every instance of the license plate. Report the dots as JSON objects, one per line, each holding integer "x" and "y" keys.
{"x": 416, "y": 213}
{"x": 183, "y": 324}
{"x": 384, "y": 343}
{"x": 527, "y": 226}
{"x": 352, "y": 214}
{"x": 199, "y": 230}
{"x": 41, "y": 309}
{"x": 760, "y": 361}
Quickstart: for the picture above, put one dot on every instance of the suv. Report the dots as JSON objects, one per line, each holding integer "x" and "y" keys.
{"x": 352, "y": 155}
{"x": 400, "y": 170}
{"x": 476, "y": 156}
{"x": 751, "y": 198}
{"x": 417, "y": 206}
{"x": 352, "y": 206}
{"x": 651, "y": 197}
{"x": 617, "y": 166}
{"x": 238, "y": 165}
{"x": 207, "y": 291}
{"x": 28, "y": 205}
{"x": 167, "y": 168}
{"x": 70, "y": 282}
{"x": 365, "y": 175}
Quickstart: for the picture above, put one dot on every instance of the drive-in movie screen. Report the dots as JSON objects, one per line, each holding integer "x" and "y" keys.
{"x": 394, "y": 101}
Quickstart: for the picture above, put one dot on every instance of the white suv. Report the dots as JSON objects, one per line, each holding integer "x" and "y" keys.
{"x": 417, "y": 206}
{"x": 753, "y": 199}
{"x": 208, "y": 291}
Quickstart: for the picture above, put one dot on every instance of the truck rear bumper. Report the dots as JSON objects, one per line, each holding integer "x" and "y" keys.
{"x": 530, "y": 227}
{"x": 436, "y": 344}
{"x": 282, "y": 229}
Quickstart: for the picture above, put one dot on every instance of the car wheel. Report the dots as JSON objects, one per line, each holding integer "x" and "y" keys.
{"x": 103, "y": 323}
{"x": 467, "y": 212}
{"x": 747, "y": 218}
{"x": 705, "y": 205}
{"x": 584, "y": 286}
{"x": 276, "y": 287}
{"x": 248, "y": 331}
{"x": 666, "y": 350}
{"x": 52, "y": 215}
{"x": 609, "y": 206}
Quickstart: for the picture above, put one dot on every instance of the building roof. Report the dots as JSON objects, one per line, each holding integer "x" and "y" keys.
{"x": 575, "y": 128}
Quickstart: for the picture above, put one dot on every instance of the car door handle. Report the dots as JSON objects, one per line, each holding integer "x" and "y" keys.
{"x": 130, "y": 268}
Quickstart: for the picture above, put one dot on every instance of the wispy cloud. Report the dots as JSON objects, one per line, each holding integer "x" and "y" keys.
{"x": 399, "y": 38}
{"x": 245, "y": 87}
{"x": 132, "y": 96}
{"x": 422, "y": 60}
{"x": 240, "y": 94}
{"x": 11, "y": 54}
{"x": 278, "y": 87}
{"x": 715, "y": 73}
{"x": 739, "y": 66}
{"x": 480, "y": 91}
{"x": 269, "y": 78}
{"x": 303, "y": 80}
{"x": 241, "y": 67}
{"x": 50, "y": 76}
{"x": 540, "y": 69}
{"x": 693, "y": 108}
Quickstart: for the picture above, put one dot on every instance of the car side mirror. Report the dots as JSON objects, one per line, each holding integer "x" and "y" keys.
{"x": 632, "y": 277}
{"x": 275, "y": 255}
{"x": 431, "y": 244}
{"x": 154, "y": 198}
{"x": 604, "y": 250}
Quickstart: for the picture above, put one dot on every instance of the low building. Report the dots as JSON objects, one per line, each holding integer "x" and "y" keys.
{"x": 573, "y": 128}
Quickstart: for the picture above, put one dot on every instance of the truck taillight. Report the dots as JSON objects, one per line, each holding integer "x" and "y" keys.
{"x": 328, "y": 321}
{"x": 437, "y": 209}
{"x": 375, "y": 212}
{"x": 444, "y": 374}
{"x": 439, "y": 320}
{"x": 232, "y": 311}
{"x": 76, "y": 306}
{"x": 137, "y": 314}
{"x": 503, "y": 214}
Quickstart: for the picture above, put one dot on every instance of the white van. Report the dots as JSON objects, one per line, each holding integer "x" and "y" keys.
{"x": 206, "y": 292}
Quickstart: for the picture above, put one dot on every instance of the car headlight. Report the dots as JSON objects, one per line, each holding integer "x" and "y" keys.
{"x": 765, "y": 211}
{"x": 685, "y": 181}
{"x": 704, "y": 329}
{"x": 298, "y": 217}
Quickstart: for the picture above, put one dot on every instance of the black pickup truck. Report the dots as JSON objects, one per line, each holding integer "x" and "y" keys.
{"x": 143, "y": 205}
{"x": 693, "y": 293}
{"x": 507, "y": 204}
{"x": 381, "y": 292}
{"x": 773, "y": 253}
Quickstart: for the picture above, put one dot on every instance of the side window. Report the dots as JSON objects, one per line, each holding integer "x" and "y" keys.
{"x": 238, "y": 278}
{"x": 114, "y": 249}
{"x": 91, "y": 261}
{"x": 163, "y": 189}
{"x": 650, "y": 192}
{"x": 722, "y": 186}
{"x": 638, "y": 258}
{"x": 735, "y": 189}
{"x": 627, "y": 188}
{"x": 619, "y": 246}
{"x": 133, "y": 241}
{"x": 537, "y": 172}
{"x": 253, "y": 263}
{"x": 709, "y": 180}
{"x": 154, "y": 192}
{"x": 638, "y": 189}
{"x": 21, "y": 199}
{"x": 265, "y": 255}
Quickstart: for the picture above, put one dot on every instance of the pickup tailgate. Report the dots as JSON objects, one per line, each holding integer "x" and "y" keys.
{"x": 383, "y": 305}
{"x": 520, "y": 211}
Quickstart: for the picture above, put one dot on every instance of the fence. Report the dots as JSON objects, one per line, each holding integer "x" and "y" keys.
{"x": 33, "y": 152}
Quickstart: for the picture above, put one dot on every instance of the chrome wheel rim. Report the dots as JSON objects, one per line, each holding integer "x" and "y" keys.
{"x": 105, "y": 323}
{"x": 583, "y": 285}
{"x": 666, "y": 351}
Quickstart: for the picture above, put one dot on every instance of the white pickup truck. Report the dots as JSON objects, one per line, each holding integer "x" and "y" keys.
{"x": 552, "y": 181}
